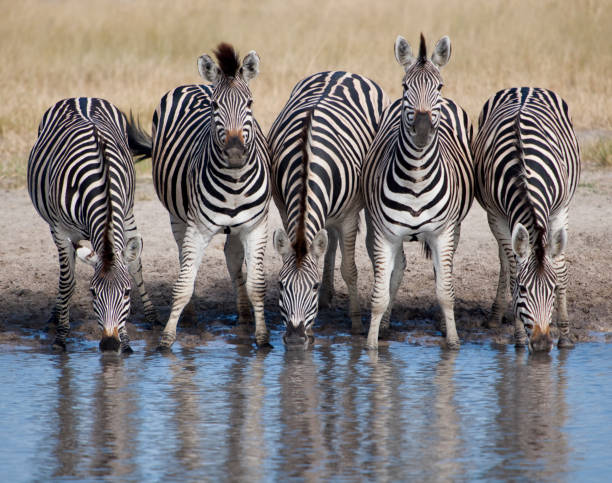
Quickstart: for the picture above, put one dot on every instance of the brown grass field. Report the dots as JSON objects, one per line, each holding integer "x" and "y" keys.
{"x": 131, "y": 52}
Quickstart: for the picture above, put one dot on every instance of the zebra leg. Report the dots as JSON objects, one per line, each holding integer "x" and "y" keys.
{"x": 565, "y": 340}
{"x": 499, "y": 228}
{"x": 348, "y": 268}
{"x": 194, "y": 244}
{"x": 254, "y": 249}
{"x": 382, "y": 254}
{"x": 135, "y": 268}
{"x": 397, "y": 275}
{"x": 234, "y": 258}
{"x": 327, "y": 286}
{"x": 66, "y": 288}
{"x": 178, "y": 227}
{"x": 442, "y": 253}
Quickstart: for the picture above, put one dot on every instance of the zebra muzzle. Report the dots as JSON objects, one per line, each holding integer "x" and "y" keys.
{"x": 540, "y": 340}
{"x": 234, "y": 152}
{"x": 110, "y": 341}
{"x": 422, "y": 129}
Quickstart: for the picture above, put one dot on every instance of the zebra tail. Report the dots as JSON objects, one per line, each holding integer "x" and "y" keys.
{"x": 139, "y": 141}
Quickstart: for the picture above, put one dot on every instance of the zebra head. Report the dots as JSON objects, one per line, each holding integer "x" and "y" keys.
{"x": 422, "y": 83}
{"x": 533, "y": 298}
{"x": 110, "y": 287}
{"x": 232, "y": 119}
{"x": 299, "y": 282}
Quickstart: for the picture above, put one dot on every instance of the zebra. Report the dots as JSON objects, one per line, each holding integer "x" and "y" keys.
{"x": 211, "y": 172}
{"x": 418, "y": 184}
{"x": 318, "y": 143}
{"x": 81, "y": 181}
{"x": 527, "y": 164}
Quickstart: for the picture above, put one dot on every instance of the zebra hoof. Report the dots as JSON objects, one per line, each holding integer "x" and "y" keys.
{"x": 492, "y": 324}
{"x": 59, "y": 345}
{"x": 166, "y": 342}
{"x": 453, "y": 345}
{"x": 127, "y": 350}
{"x": 565, "y": 342}
{"x": 520, "y": 343}
{"x": 357, "y": 329}
{"x": 262, "y": 340}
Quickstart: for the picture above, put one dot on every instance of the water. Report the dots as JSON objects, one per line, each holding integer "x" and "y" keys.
{"x": 227, "y": 412}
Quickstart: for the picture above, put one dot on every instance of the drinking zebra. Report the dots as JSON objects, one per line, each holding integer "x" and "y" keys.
{"x": 418, "y": 184}
{"x": 318, "y": 143}
{"x": 211, "y": 171}
{"x": 527, "y": 164}
{"x": 81, "y": 181}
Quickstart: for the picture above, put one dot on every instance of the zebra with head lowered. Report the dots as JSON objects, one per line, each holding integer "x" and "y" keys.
{"x": 211, "y": 171}
{"x": 418, "y": 184}
{"x": 527, "y": 164}
{"x": 81, "y": 181}
{"x": 318, "y": 143}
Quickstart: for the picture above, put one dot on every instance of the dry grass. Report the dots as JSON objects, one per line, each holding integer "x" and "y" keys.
{"x": 132, "y": 52}
{"x": 599, "y": 153}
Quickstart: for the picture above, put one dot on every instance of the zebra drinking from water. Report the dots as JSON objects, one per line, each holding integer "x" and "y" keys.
{"x": 318, "y": 143}
{"x": 527, "y": 164}
{"x": 211, "y": 171}
{"x": 81, "y": 181}
{"x": 418, "y": 184}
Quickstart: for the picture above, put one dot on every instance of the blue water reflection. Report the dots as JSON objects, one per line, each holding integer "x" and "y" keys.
{"x": 228, "y": 412}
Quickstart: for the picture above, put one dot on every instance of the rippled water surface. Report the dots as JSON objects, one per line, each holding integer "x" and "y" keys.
{"x": 224, "y": 412}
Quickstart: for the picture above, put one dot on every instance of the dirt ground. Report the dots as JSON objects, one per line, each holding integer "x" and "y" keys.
{"x": 29, "y": 273}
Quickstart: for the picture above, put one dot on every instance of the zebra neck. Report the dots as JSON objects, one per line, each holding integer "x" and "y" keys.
{"x": 213, "y": 163}
{"x": 412, "y": 165}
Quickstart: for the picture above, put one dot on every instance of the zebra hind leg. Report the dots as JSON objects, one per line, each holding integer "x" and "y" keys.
{"x": 326, "y": 293}
{"x": 565, "y": 339}
{"x": 397, "y": 275}
{"x": 499, "y": 228}
{"x": 234, "y": 258}
{"x": 348, "y": 269}
{"x": 61, "y": 311}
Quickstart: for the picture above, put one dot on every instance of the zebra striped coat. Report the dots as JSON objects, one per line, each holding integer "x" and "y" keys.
{"x": 527, "y": 165}
{"x": 418, "y": 184}
{"x": 211, "y": 171}
{"x": 318, "y": 143}
{"x": 81, "y": 181}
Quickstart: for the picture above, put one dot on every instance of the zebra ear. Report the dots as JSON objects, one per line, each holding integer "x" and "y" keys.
{"x": 133, "y": 249}
{"x": 442, "y": 52}
{"x": 520, "y": 242}
{"x": 319, "y": 244}
{"x": 250, "y": 66}
{"x": 208, "y": 69}
{"x": 403, "y": 53}
{"x": 558, "y": 243}
{"x": 87, "y": 255}
{"x": 282, "y": 243}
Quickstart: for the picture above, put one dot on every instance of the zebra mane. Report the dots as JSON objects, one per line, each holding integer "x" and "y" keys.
{"x": 300, "y": 245}
{"x": 228, "y": 59}
{"x": 108, "y": 247}
{"x": 523, "y": 185}
{"x": 422, "y": 50}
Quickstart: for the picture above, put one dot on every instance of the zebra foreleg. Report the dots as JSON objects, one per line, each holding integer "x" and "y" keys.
{"x": 348, "y": 268}
{"x": 66, "y": 288}
{"x": 382, "y": 254}
{"x": 397, "y": 275}
{"x": 442, "y": 254}
{"x": 234, "y": 258}
{"x": 194, "y": 244}
{"x": 565, "y": 340}
{"x": 327, "y": 286}
{"x": 178, "y": 228}
{"x": 502, "y": 235}
{"x": 254, "y": 249}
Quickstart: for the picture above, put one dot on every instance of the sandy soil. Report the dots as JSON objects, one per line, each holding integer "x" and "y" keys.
{"x": 29, "y": 271}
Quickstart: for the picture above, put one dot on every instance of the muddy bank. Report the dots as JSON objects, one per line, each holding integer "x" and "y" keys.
{"x": 29, "y": 271}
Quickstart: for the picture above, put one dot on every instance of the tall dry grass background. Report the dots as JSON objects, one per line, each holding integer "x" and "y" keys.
{"x": 132, "y": 51}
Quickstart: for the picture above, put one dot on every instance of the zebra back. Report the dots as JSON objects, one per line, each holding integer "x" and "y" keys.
{"x": 336, "y": 114}
{"x": 527, "y": 157}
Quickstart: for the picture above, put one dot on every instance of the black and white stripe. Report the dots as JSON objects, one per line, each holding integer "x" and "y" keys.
{"x": 81, "y": 181}
{"x": 418, "y": 184}
{"x": 318, "y": 144}
{"x": 211, "y": 171}
{"x": 527, "y": 164}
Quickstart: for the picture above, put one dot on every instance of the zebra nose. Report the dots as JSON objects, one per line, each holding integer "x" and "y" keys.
{"x": 295, "y": 336}
{"x": 234, "y": 151}
{"x": 422, "y": 128}
{"x": 540, "y": 340}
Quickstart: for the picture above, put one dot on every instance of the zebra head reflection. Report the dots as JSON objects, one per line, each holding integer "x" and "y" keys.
{"x": 231, "y": 100}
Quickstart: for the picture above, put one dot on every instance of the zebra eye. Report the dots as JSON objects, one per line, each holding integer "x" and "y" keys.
{"x": 126, "y": 294}
{"x": 249, "y": 103}
{"x": 440, "y": 86}
{"x": 315, "y": 287}
{"x": 280, "y": 285}
{"x": 214, "y": 105}
{"x": 93, "y": 292}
